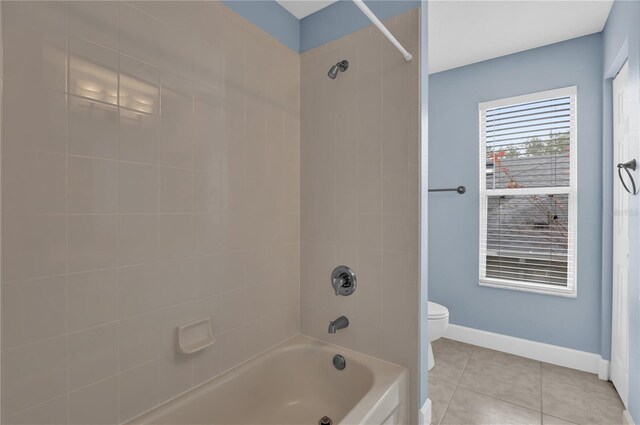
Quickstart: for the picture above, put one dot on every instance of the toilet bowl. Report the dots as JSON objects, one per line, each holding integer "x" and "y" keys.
{"x": 437, "y": 322}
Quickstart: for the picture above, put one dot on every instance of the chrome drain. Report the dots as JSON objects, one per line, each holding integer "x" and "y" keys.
{"x": 325, "y": 420}
{"x": 339, "y": 362}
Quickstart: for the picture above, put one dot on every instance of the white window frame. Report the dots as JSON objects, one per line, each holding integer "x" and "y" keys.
{"x": 571, "y": 289}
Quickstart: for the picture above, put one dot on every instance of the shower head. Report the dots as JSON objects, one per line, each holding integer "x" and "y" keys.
{"x": 341, "y": 66}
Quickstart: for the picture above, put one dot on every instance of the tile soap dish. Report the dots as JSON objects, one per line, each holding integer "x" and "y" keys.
{"x": 195, "y": 336}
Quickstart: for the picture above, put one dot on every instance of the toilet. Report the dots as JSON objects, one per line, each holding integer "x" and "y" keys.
{"x": 438, "y": 320}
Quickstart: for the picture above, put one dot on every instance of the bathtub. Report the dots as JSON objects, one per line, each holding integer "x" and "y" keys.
{"x": 292, "y": 384}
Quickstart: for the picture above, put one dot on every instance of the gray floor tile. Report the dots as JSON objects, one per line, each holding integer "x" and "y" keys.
{"x": 552, "y": 420}
{"x": 505, "y": 359}
{"x": 451, "y": 358}
{"x": 575, "y": 377}
{"x": 440, "y": 395}
{"x": 516, "y": 382}
{"x": 495, "y": 388}
{"x": 471, "y": 408}
{"x": 581, "y": 405}
{"x": 444, "y": 345}
{"x": 449, "y": 367}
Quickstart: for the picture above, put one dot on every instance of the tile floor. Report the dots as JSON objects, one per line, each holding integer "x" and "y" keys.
{"x": 473, "y": 385}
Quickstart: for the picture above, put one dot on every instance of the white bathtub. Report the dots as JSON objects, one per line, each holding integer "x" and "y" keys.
{"x": 291, "y": 384}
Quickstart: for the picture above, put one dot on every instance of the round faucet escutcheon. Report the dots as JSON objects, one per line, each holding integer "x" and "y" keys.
{"x": 343, "y": 280}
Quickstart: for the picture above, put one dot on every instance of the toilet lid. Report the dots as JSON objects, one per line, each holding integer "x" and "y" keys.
{"x": 436, "y": 311}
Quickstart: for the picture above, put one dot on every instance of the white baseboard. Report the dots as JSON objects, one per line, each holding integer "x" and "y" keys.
{"x": 425, "y": 413}
{"x": 603, "y": 369}
{"x": 626, "y": 418}
{"x": 561, "y": 356}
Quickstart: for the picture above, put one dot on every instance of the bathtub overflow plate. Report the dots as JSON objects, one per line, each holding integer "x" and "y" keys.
{"x": 339, "y": 362}
{"x": 325, "y": 420}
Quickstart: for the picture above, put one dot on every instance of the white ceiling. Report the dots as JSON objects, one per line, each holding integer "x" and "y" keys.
{"x": 302, "y": 8}
{"x": 462, "y": 32}
{"x": 470, "y": 31}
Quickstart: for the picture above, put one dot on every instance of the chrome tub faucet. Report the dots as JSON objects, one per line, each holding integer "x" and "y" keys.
{"x": 340, "y": 323}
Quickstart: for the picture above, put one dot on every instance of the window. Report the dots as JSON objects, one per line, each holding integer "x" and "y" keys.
{"x": 528, "y": 192}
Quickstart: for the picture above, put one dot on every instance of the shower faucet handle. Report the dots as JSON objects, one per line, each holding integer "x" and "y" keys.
{"x": 343, "y": 280}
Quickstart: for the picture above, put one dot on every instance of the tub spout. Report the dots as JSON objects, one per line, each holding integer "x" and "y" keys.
{"x": 340, "y": 323}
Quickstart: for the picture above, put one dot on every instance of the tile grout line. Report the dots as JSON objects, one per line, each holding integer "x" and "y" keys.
{"x": 456, "y": 386}
{"x": 504, "y": 399}
{"x": 118, "y": 323}
{"x": 67, "y": 81}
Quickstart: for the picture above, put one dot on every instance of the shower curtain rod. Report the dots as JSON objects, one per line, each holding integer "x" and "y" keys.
{"x": 373, "y": 18}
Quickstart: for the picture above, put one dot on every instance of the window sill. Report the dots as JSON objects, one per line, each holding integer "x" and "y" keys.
{"x": 538, "y": 288}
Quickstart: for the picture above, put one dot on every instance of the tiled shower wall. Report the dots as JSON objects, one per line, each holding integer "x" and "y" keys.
{"x": 151, "y": 176}
{"x": 359, "y": 192}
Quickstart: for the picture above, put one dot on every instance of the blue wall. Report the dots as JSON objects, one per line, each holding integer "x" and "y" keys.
{"x": 454, "y": 220}
{"x": 343, "y": 17}
{"x": 621, "y": 41}
{"x": 334, "y": 21}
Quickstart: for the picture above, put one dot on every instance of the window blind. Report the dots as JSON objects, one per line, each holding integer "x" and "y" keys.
{"x": 528, "y": 192}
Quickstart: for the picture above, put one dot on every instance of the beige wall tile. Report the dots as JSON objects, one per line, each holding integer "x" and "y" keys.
{"x": 92, "y": 242}
{"x": 34, "y": 246}
{"x": 37, "y": 308}
{"x": 34, "y": 44}
{"x": 207, "y": 364}
{"x": 138, "y": 188}
{"x": 176, "y": 190}
{"x": 175, "y": 145}
{"x": 96, "y": 22}
{"x": 211, "y": 191}
{"x": 175, "y": 375}
{"x": 34, "y": 373}
{"x": 93, "y": 355}
{"x": 93, "y": 128}
{"x": 177, "y": 52}
{"x": 92, "y": 185}
{"x": 395, "y": 193}
{"x": 34, "y": 182}
{"x": 52, "y": 412}
{"x": 137, "y": 289}
{"x": 93, "y": 298}
{"x": 176, "y": 236}
{"x": 210, "y": 153}
{"x": 396, "y": 232}
{"x": 221, "y": 273}
{"x": 208, "y": 67}
{"x": 138, "y": 340}
{"x": 137, "y": 238}
{"x": 140, "y": 214}
{"x": 139, "y": 34}
{"x": 176, "y": 139}
{"x": 50, "y": 112}
{"x": 138, "y": 390}
{"x": 95, "y": 404}
{"x": 176, "y": 281}
{"x": 138, "y": 137}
